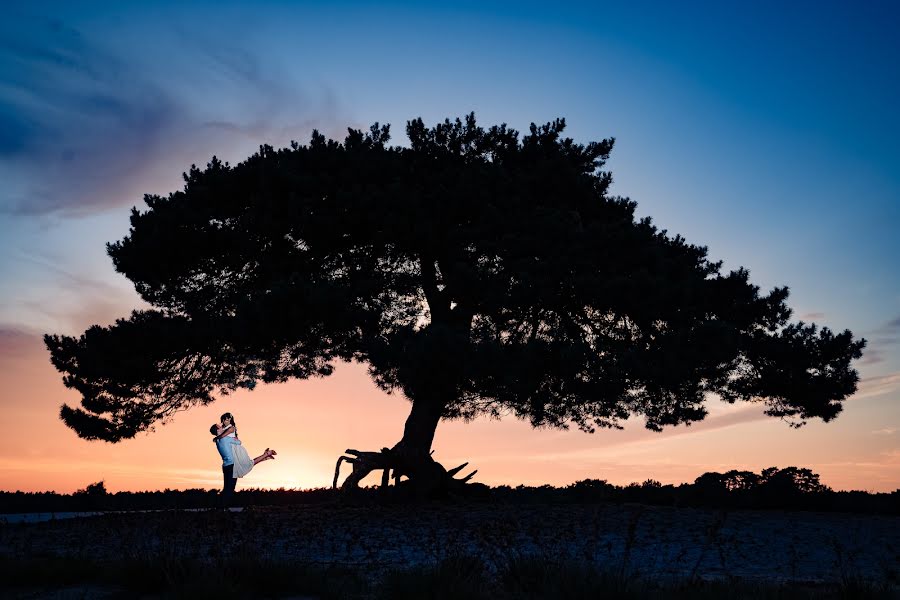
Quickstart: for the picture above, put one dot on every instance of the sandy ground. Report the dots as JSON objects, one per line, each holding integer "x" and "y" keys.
{"x": 773, "y": 546}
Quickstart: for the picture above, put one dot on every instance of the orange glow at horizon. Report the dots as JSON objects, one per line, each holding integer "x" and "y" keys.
{"x": 310, "y": 423}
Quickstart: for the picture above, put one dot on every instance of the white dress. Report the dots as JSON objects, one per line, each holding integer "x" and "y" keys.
{"x": 243, "y": 464}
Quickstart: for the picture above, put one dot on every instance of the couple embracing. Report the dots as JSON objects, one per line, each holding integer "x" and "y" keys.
{"x": 235, "y": 460}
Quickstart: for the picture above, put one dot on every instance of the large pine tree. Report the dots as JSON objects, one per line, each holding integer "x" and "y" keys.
{"x": 474, "y": 271}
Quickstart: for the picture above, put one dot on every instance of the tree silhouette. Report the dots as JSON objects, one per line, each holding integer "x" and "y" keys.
{"x": 475, "y": 272}
{"x": 94, "y": 489}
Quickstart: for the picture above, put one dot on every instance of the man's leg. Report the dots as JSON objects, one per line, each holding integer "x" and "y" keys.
{"x": 229, "y": 482}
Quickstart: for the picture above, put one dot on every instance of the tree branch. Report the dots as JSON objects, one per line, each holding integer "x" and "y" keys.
{"x": 438, "y": 303}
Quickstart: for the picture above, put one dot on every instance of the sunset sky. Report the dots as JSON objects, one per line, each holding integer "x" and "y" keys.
{"x": 767, "y": 131}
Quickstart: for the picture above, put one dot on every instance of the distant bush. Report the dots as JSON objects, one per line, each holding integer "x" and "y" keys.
{"x": 94, "y": 490}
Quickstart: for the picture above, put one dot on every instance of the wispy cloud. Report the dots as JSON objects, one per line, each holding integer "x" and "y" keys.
{"x": 881, "y": 342}
{"x": 885, "y": 431}
{"x": 68, "y": 280}
{"x": 65, "y": 300}
{"x": 876, "y": 386}
{"x": 18, "y": 342}
{"x": 812, "y": 316}
{"x": 86, "y": 123}
{"x": 85, "y": 127}
{"x": 872, "y": 356}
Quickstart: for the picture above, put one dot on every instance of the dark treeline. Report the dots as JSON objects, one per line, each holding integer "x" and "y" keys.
{"x": 789, "y": 488}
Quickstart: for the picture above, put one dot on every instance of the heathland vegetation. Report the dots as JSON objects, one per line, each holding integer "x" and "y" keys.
{"x": 790, "y": 488}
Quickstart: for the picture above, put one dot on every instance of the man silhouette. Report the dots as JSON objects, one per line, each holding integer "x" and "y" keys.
{"x": 235, "y": 460}
{"x": 225, "y": 446}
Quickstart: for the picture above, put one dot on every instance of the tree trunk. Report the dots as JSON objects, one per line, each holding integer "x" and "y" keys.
{"x": 430, "y": 377}
{"x": 412, "y": 454}
{"x": 410, "y": 457}
{"x": 421, "y": 424}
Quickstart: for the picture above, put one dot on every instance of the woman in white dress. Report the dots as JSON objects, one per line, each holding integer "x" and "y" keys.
{"x": 243, "y": 464}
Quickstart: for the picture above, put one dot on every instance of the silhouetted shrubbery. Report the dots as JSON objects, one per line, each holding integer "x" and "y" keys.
{"x": 789, "y": 488}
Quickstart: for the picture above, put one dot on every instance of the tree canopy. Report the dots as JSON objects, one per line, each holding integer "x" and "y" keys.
{"x": 477, "y": 271}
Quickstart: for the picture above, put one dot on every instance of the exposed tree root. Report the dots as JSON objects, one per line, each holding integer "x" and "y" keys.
{"x": 425, "y": 475}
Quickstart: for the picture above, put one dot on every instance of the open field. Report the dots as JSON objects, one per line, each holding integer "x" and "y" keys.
{"x": 366, "y": 544}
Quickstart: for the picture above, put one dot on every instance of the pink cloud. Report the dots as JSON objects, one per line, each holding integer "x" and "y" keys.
{"x": 877, "y": 386}
{"x": 19, "y": 342}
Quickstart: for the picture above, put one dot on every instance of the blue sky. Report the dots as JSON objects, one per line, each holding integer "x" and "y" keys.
{"x": 766, "y": 131}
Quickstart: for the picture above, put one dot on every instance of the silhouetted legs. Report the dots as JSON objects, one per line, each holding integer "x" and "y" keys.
{"x": 228, "y": 488}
